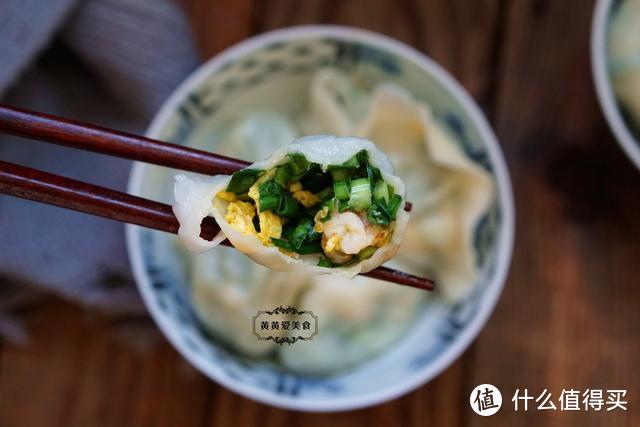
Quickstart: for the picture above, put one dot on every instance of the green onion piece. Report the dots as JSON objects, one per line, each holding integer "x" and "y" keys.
{"x": 271, "y": 194}
{"x": 305, "y": 249}
{"x": 360, "y": 194}
{"x": 352, "y": 163}
{"x": 378, "y": 213}
{"x": 287, "y": 230}
{"x": 288, "y": 208}
{"x": 339, "y": 173}
{"x": 282, "y": 244}
{"x": 276, "y": 199}
{"x": 325, "y": 194}
{"x": 373, "y": 173}
{"x": 381, "y": 191}
{"x": 343, "y": 205}
{"x": 283, "y": 176}
{"x": 367, "y": 253}
{"x": 299, "y": 166}
{"x": 242, "y": 180}
{"x": 352, "y": 261}
{"x": 324, "y": 262}
{"x": 304, "y": 232}
{"x": 360, "y": 158}
{"x": 341, "y": 190}
{"x": 310, "y": 248}
{"x": 393, "y": 205}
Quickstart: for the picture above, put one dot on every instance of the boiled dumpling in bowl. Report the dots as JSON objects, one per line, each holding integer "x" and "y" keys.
{"x": 321, "y": 204}
{"x": 449, "y": 192}
{"x": 358, "y": 317}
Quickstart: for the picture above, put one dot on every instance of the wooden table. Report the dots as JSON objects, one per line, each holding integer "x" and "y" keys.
{"x": 570, "y": 312}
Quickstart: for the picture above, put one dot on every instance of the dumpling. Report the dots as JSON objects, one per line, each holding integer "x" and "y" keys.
{"x": 450, "y": 193}
{"x": 624, "y": 54}
{"x": 321, "y": 204}
{"x": 228, "y": 289}
{"x": 357, "y": 318}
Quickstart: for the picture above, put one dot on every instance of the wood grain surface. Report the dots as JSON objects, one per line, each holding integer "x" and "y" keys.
{"x": 569, "y": 316}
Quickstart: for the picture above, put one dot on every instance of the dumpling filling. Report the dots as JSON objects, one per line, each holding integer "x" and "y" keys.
{"x": 343, "y": 212}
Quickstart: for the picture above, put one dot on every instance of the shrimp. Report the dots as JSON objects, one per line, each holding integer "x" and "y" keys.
{"x": 345, "y": 233}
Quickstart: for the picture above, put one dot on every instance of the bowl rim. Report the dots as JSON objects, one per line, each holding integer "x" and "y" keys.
{"x": 504, "y": 195}
{"x": 604, "y": 91}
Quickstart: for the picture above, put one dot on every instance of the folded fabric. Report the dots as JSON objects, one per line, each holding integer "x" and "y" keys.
{"x": 110, "y": 62}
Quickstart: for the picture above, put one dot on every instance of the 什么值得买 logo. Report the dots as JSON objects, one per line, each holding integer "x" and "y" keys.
{"x": 285, "y": 325}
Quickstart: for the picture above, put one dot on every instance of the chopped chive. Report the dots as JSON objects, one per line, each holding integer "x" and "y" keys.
{"x": 310, "y": 248}
{"x": 269, "y": 203}
{"x": 283, "y": 176}
{"x": 339, "y": 173}
{"x": 288, "y": 207}
{"x": 303, "y": 232}
{"x": 373, "y": 173}
{"x": 341, "y": 190}
{"x": 358, "y": 159}
{"x": 242, "y": 180}
{"x": 305, "y": 249}
{"x": 299, "y": 166}
{"x": 360, "y": 194}
{"x": 393, "y": 205}
{"x": 390, "y": 189}
{"x": 367, "y": 253}
{"x": 381, "y": 191}
{"x": 276, "y": 199}
{"x": 271, "y": 194}
{"x": 349, "y": 263}
{"x": 378, "y": 213}
{"x": 323, "y": 262}
{"x": 287, "y": 230}
{"x": 282, "y": 244}
{"x": 352, "y": 163}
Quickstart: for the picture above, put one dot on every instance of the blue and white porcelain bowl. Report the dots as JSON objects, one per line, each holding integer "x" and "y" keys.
{"x": 282, "y": 62}
{"x": 620, "y": 125}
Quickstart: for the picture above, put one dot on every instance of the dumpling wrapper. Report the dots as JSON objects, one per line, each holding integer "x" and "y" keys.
{"x": 195, "y": 199}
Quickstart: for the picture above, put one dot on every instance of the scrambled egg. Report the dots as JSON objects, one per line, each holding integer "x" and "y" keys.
{"x": 296, "y": 186}
{"x": 254, "y": 193}
{"x": 318, "y": 226}
{"x": 332, "y": 243}
{"x": 270, "y": 226}
{"x": 240, "y": 216}
{"x": 382, "y": 236}
{"x": 306, "y": 198}
{"x": 227, "y": 196}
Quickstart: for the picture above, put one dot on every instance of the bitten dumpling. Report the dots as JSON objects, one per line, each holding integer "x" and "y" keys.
{"x": 322, "y": 204}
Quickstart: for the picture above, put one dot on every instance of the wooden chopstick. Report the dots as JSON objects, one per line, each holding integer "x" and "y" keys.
{"x": 71, "y": 133}
{"x": 80, "y": 196}
{"x": 75, "y": 134}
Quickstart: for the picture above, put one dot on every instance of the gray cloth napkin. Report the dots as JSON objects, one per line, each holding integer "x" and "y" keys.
{"x": 109, "y": 62}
